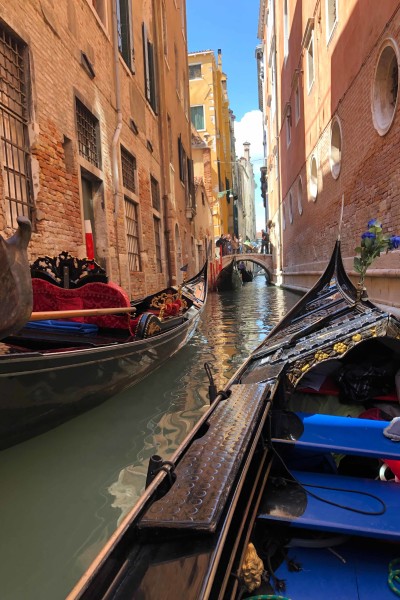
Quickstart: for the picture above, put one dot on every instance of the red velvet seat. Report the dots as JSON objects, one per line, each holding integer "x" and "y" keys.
{"x": 49, "y": 297}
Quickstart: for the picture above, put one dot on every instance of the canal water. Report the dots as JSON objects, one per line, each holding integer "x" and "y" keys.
{"x": 64, "y": 492}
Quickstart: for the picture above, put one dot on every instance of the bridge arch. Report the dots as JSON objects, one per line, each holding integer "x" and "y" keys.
{"x": 263, "y": 260}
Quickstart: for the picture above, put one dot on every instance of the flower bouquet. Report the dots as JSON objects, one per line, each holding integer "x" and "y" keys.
{"x": 373, "y": 243}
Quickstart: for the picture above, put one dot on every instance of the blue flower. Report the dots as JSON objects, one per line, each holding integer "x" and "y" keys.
{"x": 368, "y": 234}
{"x": 394, "y": 242}
{"x": 374, "y": 223}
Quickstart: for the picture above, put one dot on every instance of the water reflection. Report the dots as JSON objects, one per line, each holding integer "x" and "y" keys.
{"x": 236, "y": 323}
{"x": 64, "y": 492}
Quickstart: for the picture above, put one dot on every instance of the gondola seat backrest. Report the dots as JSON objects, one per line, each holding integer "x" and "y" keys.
{"x": 49, "y": 297}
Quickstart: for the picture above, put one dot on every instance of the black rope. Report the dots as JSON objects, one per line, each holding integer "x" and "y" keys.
{"x": 305, "y": 485}
{"x": 335, "y": 489}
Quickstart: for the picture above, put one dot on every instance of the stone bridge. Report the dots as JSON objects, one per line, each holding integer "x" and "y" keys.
{"x": 263, "y": 260}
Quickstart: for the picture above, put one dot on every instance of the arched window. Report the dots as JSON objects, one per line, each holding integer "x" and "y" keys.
{"x": 335, "y": 158}
{"x": 313, "y": 177}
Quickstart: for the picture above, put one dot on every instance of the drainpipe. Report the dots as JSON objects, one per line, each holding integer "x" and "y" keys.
{"x": 280, "y": 244}
{"x": 114, "y": 154}
{"x": 164, "y": 162}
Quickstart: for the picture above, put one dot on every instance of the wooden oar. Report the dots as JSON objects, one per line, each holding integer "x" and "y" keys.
{"x": 68, "y": 314}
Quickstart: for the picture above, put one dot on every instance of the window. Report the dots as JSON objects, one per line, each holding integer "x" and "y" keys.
{"x": 170, "y": 144}
{"x": 285, "y": 28}
{"x": 176, "y": 69}
{"x": 182, "y": 161}
{"x": 164, "y": 30}
{"x": 157, "y": 241}
{"x": 297, "y": 103}
{"x": 385, "y": 87}
{"x": 195, "y": 71}
{"x": 14, "y": 113}
{"x": 100, "y": 7}
{"x": 88, "y": 134}
{"x": 288, "y": 119}
{"x": 290, "y": 207}
{"x": 310, "y": 61}
{"x": 197, "y": 117}
{"x": 155, "y": 194}
{"x": 128, "y": 164}
{"x": 300, "y": 196}
{"x": 132, "y": 234}
{"x": 313, "y": 178}
{"x": 331, "y": 17}
{"x": 149, "y": 70}
{"x": 125, "y": 37}
{"x": 335, "y": 157}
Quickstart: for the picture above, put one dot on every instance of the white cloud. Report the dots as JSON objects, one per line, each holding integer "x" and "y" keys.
{"x": 249, "y": 129}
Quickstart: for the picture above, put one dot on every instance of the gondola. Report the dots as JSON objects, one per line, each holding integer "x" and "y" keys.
{"x": 277, "y": 490}
{"x": 246, "y": 274}
{"x": 16, "y": 286}
{"x": 54, "y": 369}
{"x": 229, "y": 278}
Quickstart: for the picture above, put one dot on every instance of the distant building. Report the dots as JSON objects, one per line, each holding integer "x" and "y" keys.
{"x": 94, "y": 114}
{"x": 211, "y": 117}
{"x": 328, "y": 83}
{"x": 246, "y": 195}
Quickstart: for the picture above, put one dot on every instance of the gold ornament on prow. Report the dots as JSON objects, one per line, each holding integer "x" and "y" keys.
{"x": 252, "y": 569}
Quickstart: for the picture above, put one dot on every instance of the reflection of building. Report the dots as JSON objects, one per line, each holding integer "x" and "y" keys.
{"x": 332, "y": 129}
{"x": 210, "y": 115}
{"x": 94, "y": 139}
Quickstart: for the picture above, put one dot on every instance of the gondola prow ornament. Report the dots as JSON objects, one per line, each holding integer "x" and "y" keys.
{"x": 16, "y": 290}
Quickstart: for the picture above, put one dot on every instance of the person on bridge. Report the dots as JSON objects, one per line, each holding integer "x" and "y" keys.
{"x": 264, "y": 242}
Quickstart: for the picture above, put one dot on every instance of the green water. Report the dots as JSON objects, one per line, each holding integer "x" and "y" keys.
{"x": 64, "y": 492}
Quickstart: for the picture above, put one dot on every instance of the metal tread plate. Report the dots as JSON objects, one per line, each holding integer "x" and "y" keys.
{"x": 208, "y": 470}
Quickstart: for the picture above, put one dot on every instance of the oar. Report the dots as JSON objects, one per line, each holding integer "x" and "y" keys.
{"x": 68, "y": 314}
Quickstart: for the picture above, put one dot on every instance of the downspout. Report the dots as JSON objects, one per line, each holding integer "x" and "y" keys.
{"x": 164, "y": 162}
{"x": 117, "y": 132}
{"x": 277, "y": 139}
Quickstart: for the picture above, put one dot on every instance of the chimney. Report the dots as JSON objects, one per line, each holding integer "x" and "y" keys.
{"x": 219, "y": 59}
{"x": 246, "y": 147}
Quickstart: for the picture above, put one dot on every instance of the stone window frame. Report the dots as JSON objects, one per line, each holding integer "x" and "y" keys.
{"x": 125, "y": 32}
{"x": 299, "y": 192}
{"x": 313, "y": 177}
{"x": 335, "y": 152}
{"x": 331, "y": 8}
{"x": 310, "y": 62}
{"x": 204, "y": 116}
{"x": 290, "y": 207}
{"x": 191, "y": 66}
{"x": 383, "y": 108}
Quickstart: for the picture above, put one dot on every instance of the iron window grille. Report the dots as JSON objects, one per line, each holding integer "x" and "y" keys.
{"x": 14, "y": 111}
{"x": 88, "y": 134}
{"x": 157, "y": 239}
{"x": 132, "y": 231}
{"x": 128, "y": 164}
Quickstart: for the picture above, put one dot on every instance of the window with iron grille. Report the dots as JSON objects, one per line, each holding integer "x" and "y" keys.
{"x": 14, "y": 113}
{"x": 128, "y": 164}
{"x": 88, "y": 134}
{"x": 132, "y": 233}
{"x": 157, "y": 239}
{"x": 155, "y": 194}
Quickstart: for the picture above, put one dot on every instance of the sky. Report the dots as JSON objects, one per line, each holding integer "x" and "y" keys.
{"x": 231, "y": 25}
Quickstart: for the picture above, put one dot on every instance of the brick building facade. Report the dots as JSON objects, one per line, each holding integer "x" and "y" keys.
{"x": 95, "y": 133}
{"x": 329, "y": 95}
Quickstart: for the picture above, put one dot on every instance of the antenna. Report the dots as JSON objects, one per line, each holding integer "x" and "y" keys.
{"x": 341, "y": 219}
